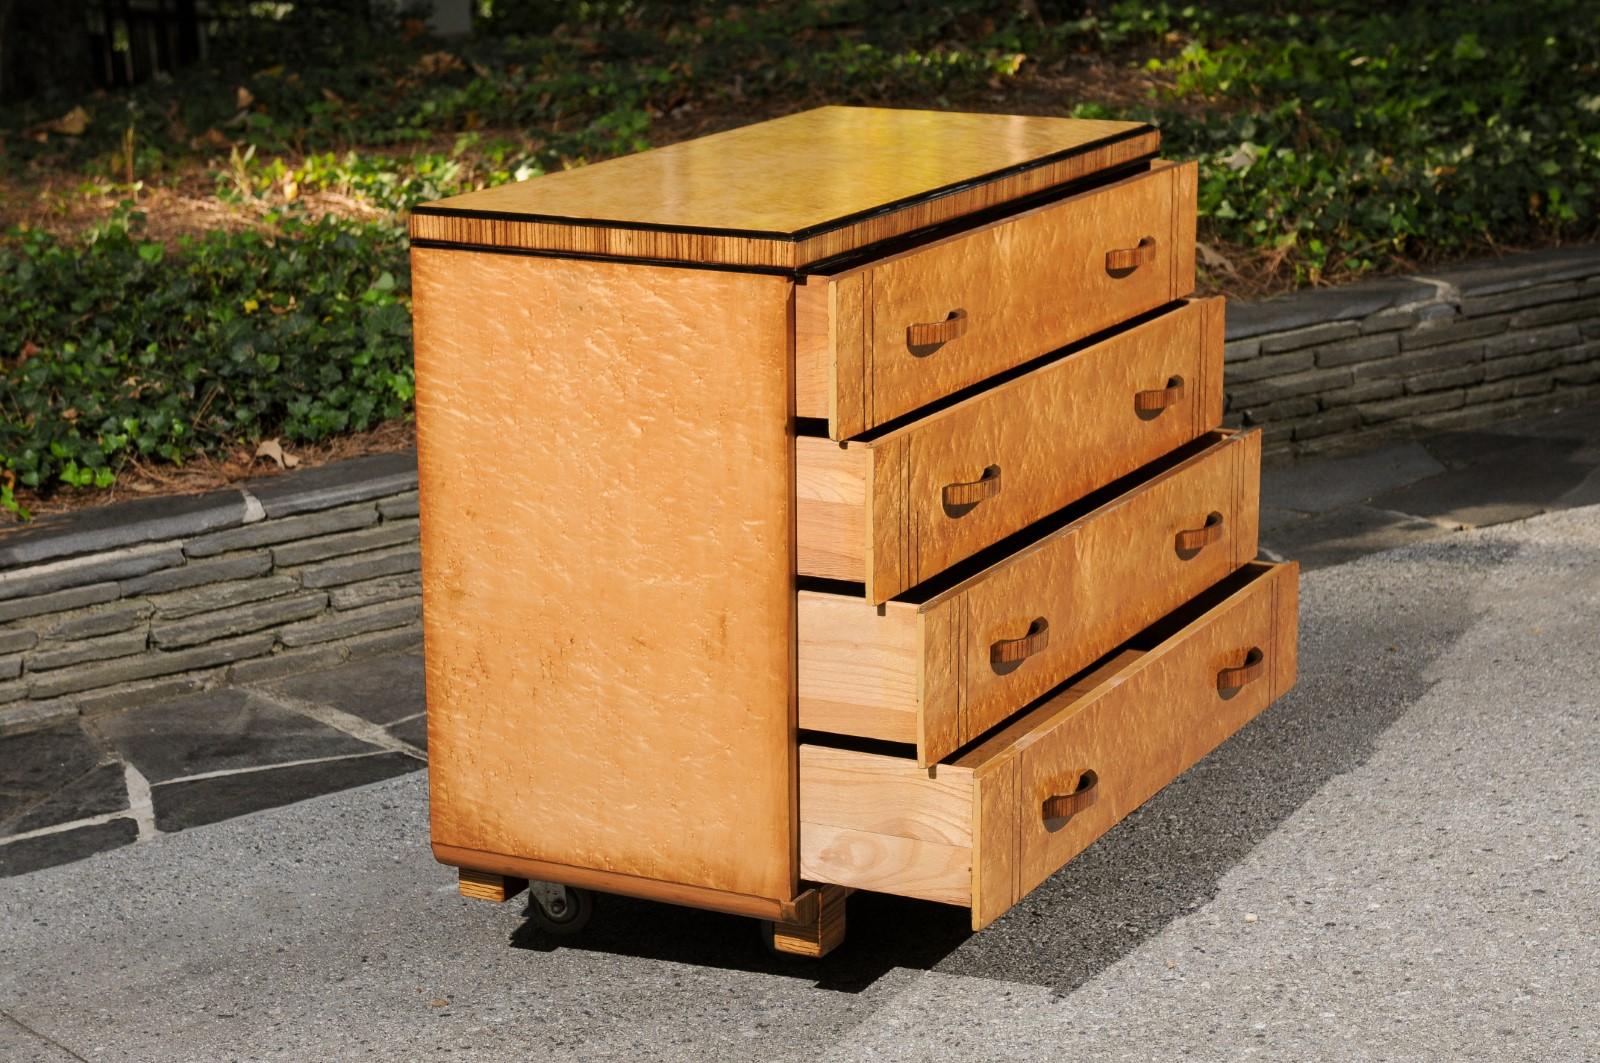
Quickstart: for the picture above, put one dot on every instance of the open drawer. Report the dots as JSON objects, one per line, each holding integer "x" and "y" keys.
{"x": 897, "y": 508}
{"x": 886, "y": 337}
{"x": 998, "y": 820}
{"x": 941, "y": 665}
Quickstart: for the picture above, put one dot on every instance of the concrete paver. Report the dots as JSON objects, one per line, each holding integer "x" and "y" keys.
{"x": 94, "y": 783}
{"x": 1397, "y": 861}
{"x": 1320, "y": 486}
{"x": 1330, "y": 511}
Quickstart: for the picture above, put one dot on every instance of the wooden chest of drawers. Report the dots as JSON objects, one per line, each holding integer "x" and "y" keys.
{"x": 834, "y": 503}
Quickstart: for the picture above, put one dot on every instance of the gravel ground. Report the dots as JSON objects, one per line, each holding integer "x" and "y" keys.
{"x": 1395, "y": 862}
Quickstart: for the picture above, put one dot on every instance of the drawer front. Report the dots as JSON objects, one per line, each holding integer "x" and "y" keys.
{"x": 906, "y": 330}
{"x": 1051, "y": 610}
{"x": 987, "y": 828}
{"x": 903, "y": 508}
{"x": 1134, "y": 737}
{"x": 941, "y": 673}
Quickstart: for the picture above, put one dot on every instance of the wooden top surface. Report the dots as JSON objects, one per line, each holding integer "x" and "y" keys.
{"x": 793, "y": 178}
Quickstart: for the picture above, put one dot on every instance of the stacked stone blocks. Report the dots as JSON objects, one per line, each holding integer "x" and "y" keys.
{"x": 136, "y": 601}
{"x": 1343, "y": 368}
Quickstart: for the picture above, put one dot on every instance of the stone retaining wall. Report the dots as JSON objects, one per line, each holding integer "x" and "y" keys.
{"x": 1343, "y": 368}
{"x": 142, "y": 600}
{"x": 147, "y": 599}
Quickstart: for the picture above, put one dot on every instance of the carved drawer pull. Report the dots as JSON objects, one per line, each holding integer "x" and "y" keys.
{"x": 1064, "y": 806}
{"x": 1253, "y": 668}
{"x": 1125, "y": 260}
{"x": 929, "y": 336}
{"x": 1159, "y": 398}
{"x": 974, "y": 491}
{"x": 1010, "y": 651}
{"x": 1193, "y": 539}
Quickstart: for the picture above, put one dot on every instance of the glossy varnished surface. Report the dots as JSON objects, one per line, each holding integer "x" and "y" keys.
{"x": 1022, "y": 286}
{"x": 1138, "y": 722}
{"x": 922, "y": 673}
{"x": 607, "y": 544}
{"x": 794, "y": 174}
{"x": 789, "y": 191}
{"x": 1047, "y": 438}
{"x": 1100, "y": 581}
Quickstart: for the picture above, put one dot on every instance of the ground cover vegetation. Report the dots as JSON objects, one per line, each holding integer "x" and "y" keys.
{"x": 218, "y": 256}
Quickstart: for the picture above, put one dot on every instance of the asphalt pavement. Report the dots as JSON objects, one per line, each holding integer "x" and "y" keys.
{"x": 1397, "y": 861}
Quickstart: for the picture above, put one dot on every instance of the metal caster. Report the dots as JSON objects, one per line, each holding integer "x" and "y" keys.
{"x": 557, "y": 909}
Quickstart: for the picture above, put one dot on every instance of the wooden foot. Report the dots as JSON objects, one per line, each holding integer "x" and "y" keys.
{"x": 818, "y": 937}
{"x": 484, "y": 886}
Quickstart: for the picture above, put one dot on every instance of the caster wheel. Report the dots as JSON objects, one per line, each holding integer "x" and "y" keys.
{"x": 557, "y": 909}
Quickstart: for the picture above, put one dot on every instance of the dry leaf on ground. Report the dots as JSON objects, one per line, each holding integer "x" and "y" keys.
{"x": 271, "y": 448}
{"x": 73, "y": 123}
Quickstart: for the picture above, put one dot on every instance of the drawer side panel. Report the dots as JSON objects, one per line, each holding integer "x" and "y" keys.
{"x": 880, "y": 823}
{"x": 858, "y": 671}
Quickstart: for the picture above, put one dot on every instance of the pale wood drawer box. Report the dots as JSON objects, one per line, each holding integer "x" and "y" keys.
{"x": 938, "y": 671}
{"x": 991, "y": 825}
{"x": 897, "y": 508}
{"x": 859, "y": 428}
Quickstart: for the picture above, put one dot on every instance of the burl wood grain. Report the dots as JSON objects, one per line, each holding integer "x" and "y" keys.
{"x": 1099, "y": 581}
{"x": 994, "y": 849}
{"x": 790, "y": 191}
{"x": 607, "y": 547}
{"x": 1049, "y": 438}
{"x": 1094, "y": 583}
{"x": 1027, "y": 285}
{"x": 1148, "y": 725}
{"x": 1138, "y": 721}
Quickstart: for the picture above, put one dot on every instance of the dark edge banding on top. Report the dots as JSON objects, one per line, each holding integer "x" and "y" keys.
{"x": 802, "y": 234}
{"x": 598, "y": 256}
{"x": 866, "y": 252}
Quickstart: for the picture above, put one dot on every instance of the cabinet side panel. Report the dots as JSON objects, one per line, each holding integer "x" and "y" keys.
{"x": 607, "y": 536}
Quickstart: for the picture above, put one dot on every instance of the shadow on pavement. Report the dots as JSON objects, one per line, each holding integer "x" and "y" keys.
{"x": 883, "y": 933}
{"x": 1363, "y": 663}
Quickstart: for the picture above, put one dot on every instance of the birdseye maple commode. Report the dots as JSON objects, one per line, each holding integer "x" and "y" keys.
{"x": 834, "y": 503}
